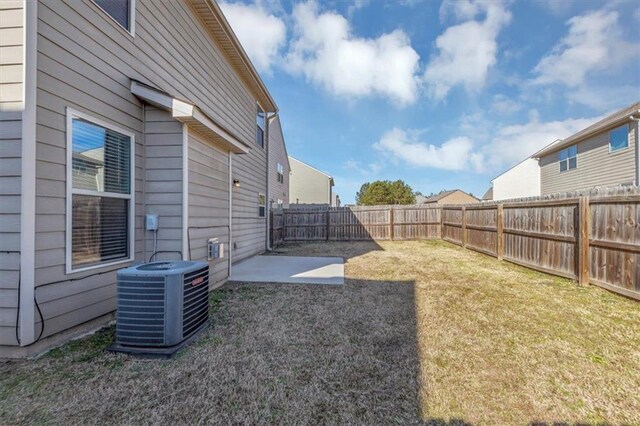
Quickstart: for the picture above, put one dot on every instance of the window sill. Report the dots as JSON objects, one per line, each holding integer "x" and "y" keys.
{"x": 98, "y": 266}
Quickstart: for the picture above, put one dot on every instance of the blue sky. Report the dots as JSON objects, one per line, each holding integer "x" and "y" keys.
{"x": 440, "y": 94}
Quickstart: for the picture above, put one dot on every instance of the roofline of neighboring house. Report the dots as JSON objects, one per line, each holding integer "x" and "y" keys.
{"x": 215, "y": 21}
{"x": 513, "y": 167}
{"x": 438, "y": 197}
{"x": 606, "y": 123}
{"x": 317, "y": 170}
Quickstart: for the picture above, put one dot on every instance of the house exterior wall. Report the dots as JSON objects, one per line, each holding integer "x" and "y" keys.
{"x": 86, "y": 62}
{"x": 249, "y": 230}
{"x": 308, "y": 185}
{"x": 208, "y": 203}
{"x": 11, "y": 106}
{"x": 596, "y": 165}
{"x": 278, "y": 154}
{"x": 163, "y": 174}
{"x": 522, "y": 180}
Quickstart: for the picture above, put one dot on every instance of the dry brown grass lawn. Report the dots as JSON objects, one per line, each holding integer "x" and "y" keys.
{"x": 420, "y": 332}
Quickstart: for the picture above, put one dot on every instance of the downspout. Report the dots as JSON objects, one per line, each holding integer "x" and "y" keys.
{"x": 637, "y": 130}
{"x": 270, "y": 118}
{"x": 230, "y": 249}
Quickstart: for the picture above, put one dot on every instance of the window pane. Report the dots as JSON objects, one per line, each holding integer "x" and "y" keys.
{"x": 117, "y": 9}
{"x": 563, "y": 155}
{"x": 259, "y": 136}
{"x": 619, "y": 138}
{"x": 563, "y": 166}
{"x": 573, "y": 150}
{"x": 100, "y": 158}
{"x": 573, "y": 163}
{"x": 260, "y": 118}
{"x": 99, "y": 230}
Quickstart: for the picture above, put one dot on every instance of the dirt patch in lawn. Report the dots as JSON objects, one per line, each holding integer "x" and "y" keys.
{"x": 420, "y": 332}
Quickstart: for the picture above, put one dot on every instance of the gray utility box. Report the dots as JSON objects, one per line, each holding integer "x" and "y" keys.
{"x": 161, "y": 306}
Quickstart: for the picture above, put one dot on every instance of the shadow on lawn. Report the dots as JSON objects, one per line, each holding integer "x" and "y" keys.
{"x": 346, "y": 249}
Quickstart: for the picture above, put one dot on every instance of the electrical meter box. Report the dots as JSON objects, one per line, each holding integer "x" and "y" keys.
{"x": 215, "y": 249}
{"x": 152, "y": 222}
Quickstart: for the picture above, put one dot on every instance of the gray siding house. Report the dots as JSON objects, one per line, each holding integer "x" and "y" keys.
{"x": 111, "y": 111}
{"x": 309, "y": 185}
{"x": 603, "y": 154}
{"x": 279, "y": 167}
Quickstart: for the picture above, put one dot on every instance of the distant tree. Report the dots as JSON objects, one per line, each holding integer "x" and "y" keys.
{"x": 385, "y": 192}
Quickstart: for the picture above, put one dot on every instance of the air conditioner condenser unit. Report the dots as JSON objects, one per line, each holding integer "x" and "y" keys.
{"x": 162, "y": 306}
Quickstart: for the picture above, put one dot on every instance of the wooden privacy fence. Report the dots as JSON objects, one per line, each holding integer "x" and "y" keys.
{"x": 592, "y": 236}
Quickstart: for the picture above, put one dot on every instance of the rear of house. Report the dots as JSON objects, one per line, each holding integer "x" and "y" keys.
{"x": 112, "y": 111}
{"x": 309, "y": 185}
{"x": 603, "y": 154}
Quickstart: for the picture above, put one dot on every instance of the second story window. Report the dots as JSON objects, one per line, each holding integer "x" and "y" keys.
{"x": 260, "y": 126}
{"x": 280, "y": 170}
{"x": 568, "y": 158}
{"x": 120, "y": 10}
{"x": 619, "y": 138}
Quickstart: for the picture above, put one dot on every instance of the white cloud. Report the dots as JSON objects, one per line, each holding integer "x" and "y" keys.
{"x": 467, "y": 51}
{"x": 261, "y": 33}
{"x": 326, "y": 52}
{"x": 513, "y": 143}
{"x": 365, "y": 170}
{"x": 454, "y": 154}
{"x": 594, "y": 43}
{"x": 504, "y": 105}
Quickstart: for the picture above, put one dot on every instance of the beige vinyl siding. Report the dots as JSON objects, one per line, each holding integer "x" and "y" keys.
{"x": 208, "y": 203}
{"x": 163, "y": 182}
{"x": 11, "y": 105}
{"x": 596, "y": 166}
{"x": 86, "y": 62}
{"x": 278, "y": 154}
{"x": 308, "y": 185}
{"x": 249, "y": 230}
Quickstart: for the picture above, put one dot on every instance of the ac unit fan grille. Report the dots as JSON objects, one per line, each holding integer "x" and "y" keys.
{"x": 141, "y": 311}
{"x": 195, "y": 310}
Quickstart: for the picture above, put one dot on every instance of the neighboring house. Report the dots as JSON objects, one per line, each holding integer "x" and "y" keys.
{"x": 335, "y": 201}
{"x": 279, "y": 167}
{"x": 455, "y": 196}
{"x": 111, "y": 111}
{"x": 521, "y": 180}
{"x": 488, "y": 195}
{"x": 309, "y": 185}
{"x": 603, "y": 154}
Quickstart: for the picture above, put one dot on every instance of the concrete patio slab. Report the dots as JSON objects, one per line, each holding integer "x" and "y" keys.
{"x": 290, "y": 269}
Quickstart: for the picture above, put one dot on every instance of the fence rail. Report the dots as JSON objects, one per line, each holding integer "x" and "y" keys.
{"x": 592, "y": 237}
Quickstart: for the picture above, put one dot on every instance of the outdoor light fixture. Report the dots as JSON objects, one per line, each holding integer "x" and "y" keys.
{"x": 236, "y": 183}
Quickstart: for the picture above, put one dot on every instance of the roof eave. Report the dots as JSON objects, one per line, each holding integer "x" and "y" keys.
{"x": 221, "y": 31}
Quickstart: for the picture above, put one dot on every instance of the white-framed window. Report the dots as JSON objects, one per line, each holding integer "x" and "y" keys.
{"x": 280, "y": 203}
{"x": 100, "y": 193}
{"x": 261, "y": 125}
{"x": 121, "y": 11}
{"x": 619, "y": 138}
{"x": 280, "y": 171}
{"x": 262, "y": 205}
{"x": 568, "y": 158}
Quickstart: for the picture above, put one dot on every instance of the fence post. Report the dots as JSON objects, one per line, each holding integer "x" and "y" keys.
{"x": 284, "y": 225}
{"x": 328, "y": 221}
{"x": 584, "y": 224}
{"x": 500, "y": 226}
{"x": 464, "y": 226}
{"x": 441, "y": 222}
{"x": 391, "y": 230}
